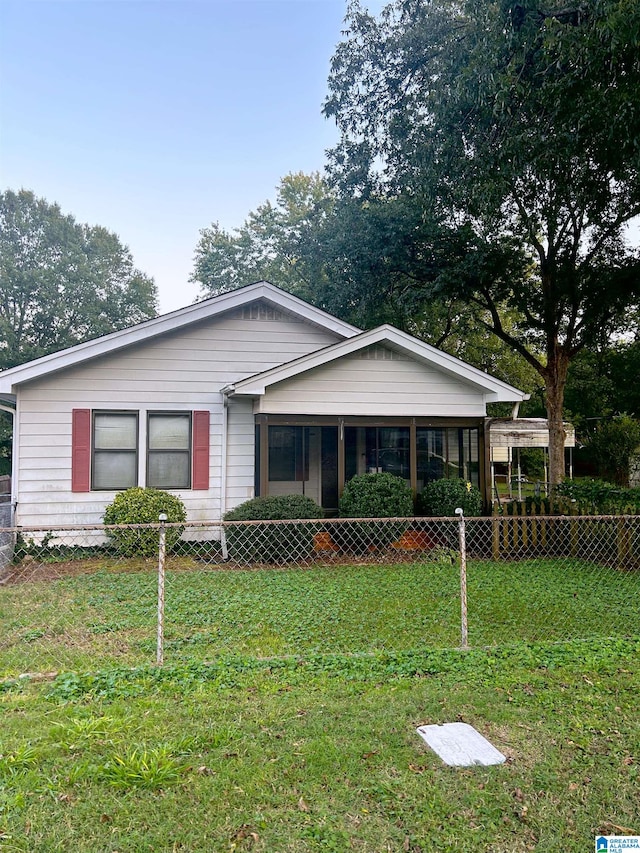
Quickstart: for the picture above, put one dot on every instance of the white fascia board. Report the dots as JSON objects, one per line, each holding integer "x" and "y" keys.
{"x": 493, "y": 389}
{"x": 171, "y": 322}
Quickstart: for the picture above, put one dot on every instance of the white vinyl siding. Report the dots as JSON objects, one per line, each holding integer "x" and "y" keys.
{"x": 182, "y": 371}
{"x": 240, "y": 453}
{"x": 396, "y": 386}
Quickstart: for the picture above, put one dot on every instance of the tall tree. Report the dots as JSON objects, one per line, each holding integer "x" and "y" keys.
{"x": 62, "y": 282}
{"x": 267, "y": 246}
{"x": 356, "y": 258}
{"x": 514, "y": 126}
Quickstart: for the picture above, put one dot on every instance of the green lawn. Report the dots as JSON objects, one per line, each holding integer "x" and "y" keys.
{"x": 319, "y": 753}
{"x": 285, "y": 717}
{"x": 108, "y": 617}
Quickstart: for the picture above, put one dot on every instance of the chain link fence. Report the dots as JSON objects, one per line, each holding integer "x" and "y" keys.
{"x": 87, "y": 598}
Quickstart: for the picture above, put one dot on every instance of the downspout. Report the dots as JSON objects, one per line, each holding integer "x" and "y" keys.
{"x": 223, "y": 470}
{"x": 223, "y": 461}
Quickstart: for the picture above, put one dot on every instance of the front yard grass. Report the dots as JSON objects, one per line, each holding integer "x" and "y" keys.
{"x": 108, "y": 616}
{"x": 320, "y": 753}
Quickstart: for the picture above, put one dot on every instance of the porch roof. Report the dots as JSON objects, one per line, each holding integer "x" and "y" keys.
{"x": 493, "y": 389}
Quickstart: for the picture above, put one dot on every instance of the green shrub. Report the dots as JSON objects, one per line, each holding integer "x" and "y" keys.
{"x": 143, "y": 506}
{"x": 376, "y": 496}
{"x": 272, "y": 543}
{"x": 596, "y": 497}
{"x": 443, "y": 497}
{"x": 373, "y": 496}
{"x": 612, "y": 446}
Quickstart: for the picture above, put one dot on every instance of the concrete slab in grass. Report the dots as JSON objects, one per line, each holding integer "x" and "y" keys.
{"x": 460, "y": 745}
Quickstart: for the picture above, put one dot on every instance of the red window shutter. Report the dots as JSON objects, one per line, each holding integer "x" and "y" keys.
{"x": 80, "y": 450}
{"x": 200, "y": 473}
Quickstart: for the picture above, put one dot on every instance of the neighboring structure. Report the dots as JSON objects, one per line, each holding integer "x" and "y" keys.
{"x": 251, "y": 392}
{"x": 634, "y": 469}
{"x": 512, "y": 434}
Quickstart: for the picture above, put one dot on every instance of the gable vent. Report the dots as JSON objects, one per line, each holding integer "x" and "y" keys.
{"x": 261, "y": 311}
{"x": 381, "y": 354}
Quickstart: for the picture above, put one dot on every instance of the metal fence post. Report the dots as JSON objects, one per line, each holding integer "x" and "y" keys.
{"x": 162, "y": 553}
{"x": 464, "y": 632}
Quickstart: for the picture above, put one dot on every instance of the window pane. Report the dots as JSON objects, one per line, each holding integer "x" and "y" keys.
{"x": 169, "y": 470}
{"x": 114, "y": 470}
{"x": 115, "y": 431}
{"x": 169, "y": 432}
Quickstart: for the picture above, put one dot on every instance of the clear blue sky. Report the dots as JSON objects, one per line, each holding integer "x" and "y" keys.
{"x": 156, "y": 118}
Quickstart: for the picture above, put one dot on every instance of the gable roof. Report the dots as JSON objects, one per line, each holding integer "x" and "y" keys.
{"x": 494, "y": 389}
{"x": 171, "y": 322}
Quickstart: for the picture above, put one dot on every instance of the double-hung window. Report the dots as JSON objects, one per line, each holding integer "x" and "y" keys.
{"x": 115, "y": 450}
{"x": 109, "y": 449}
{"x": 169, "y": 450}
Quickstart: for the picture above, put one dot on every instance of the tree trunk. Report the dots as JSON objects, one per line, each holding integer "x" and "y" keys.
{"x": 555, "y": 380}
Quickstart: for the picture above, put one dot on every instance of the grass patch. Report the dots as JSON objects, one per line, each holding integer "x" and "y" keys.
{"x": 89, "y": 621}
{"x": 321, "y": 753}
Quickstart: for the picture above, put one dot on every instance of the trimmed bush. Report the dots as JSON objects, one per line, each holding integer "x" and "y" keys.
{"x": 443, "y": 497}
{"x": 143, "y": 506}
{"x": 373, "y": 496}
{"x": 376, "y": 496}
{"x": 272, "y": 543}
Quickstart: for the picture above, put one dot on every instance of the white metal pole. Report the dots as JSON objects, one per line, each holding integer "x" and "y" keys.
{"x": 519, "y": 477}
{"x": 162, "y": 551}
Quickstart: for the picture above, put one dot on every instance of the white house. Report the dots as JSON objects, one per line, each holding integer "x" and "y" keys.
{"x": 251, "y": 392}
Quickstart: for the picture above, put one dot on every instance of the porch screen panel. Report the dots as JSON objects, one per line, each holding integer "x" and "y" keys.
{"x": 447, "y": 452}
{"x": 431, "y": 455}
{"x": 329, "y": 467}
{"x": 288, "y": 454}
{"x": 471, "y": 456}
{"x": 454, "y": 454}
{"x": 370, "y": 450}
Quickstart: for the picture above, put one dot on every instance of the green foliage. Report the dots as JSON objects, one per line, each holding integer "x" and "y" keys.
{"x": 529, "y": 136}
{"x": 272, "y": 507}
{"x": 376, "y": 496}
{"x": 269, "y": 244}
{"x": 62, "y": 282}
{"x": 142, "y": 768}
{"x": 379, "y": 495}
{"x": 443, "y": 497}
{"x": 532, "y": 462}
{"x": 597, "y": 497}
{"x": 264, "y": 543}
{"x": 143, "y": 506}
{"x": 613, "y": 444}
{"x": 602, "y": 381}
